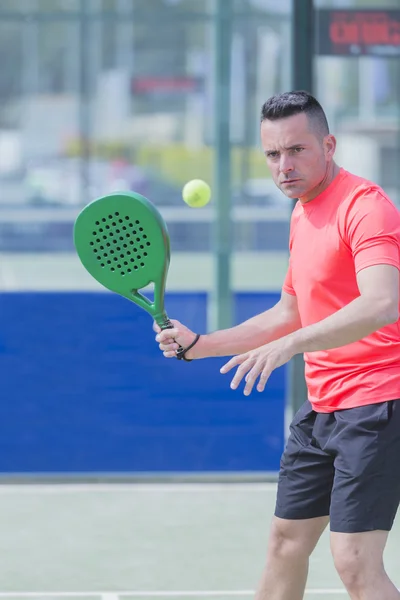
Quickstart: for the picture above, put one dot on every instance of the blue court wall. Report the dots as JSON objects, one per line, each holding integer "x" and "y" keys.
{"x": 85, "y": 389}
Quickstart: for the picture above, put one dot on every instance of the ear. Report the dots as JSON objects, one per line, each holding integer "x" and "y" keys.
{"x": 329, "y": 146}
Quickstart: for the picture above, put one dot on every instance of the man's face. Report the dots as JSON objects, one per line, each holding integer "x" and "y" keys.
{"x": 298, "y": 158}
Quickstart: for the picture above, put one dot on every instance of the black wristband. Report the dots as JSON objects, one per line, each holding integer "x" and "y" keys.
{"x": 180, "y": 354}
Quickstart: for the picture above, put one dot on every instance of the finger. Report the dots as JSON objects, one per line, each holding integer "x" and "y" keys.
{"x": 169, "y": 347}
{"x": 236, "y": 360}
{"x": 170, "y": 354}
{"x": 168, "y": 341}
{"x": 251, "y": 378}
{"x": 163, "y": 336}
{"x": 241, "y": 371}
{"x": 265, "y": 375}
{"x": 156, "y": 327}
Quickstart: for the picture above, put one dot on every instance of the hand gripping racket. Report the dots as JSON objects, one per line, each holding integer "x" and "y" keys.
{"x": 123, "y": 242}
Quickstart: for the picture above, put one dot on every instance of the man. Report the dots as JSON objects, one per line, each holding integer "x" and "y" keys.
{"x": 340, "y": 307}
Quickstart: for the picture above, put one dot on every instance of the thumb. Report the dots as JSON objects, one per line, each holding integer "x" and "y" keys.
{"x": 156, "y": 327}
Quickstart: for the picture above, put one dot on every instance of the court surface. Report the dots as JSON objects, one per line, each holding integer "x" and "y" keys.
{"x": 147, "y": 541}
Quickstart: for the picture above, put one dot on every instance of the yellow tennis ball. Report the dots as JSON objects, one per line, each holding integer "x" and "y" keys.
{"x": 196, "y": 193}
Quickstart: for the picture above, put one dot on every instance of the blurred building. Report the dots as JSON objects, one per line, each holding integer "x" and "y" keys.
{"x": 97, "y": 95}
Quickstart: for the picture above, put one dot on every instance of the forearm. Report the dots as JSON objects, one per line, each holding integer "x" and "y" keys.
{"x": 261, "y": 329}
{"x": 353, "y": 322}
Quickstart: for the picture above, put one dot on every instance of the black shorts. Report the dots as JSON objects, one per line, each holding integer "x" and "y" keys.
{"x": 344, "y": 464}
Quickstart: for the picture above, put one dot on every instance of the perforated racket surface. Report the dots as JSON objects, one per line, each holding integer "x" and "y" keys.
{"x": 123, "y": 242}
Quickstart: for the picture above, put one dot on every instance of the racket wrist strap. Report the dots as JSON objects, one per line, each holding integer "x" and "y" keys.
{"x": 180, "y": 353}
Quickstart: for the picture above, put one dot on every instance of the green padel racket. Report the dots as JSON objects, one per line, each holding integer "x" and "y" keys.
{"x": 123, "y": 242}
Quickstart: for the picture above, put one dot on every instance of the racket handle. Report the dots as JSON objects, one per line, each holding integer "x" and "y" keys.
{"x": 180, "y": 353}
{"x": 168, "y": 325}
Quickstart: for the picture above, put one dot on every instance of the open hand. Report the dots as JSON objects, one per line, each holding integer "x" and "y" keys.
{"x": 258, "y": 363}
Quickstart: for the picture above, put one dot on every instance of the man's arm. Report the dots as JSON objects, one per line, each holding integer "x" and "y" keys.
{"x": 278, "y": 321}
{"x": 376, "y": 307}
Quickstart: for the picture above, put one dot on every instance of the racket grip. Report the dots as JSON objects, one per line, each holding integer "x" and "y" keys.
{"x": 166, "y": 325}
{"x": 180, "y": 353}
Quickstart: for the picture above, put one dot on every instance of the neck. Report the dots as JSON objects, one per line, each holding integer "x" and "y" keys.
{"x": 331, "y": 172}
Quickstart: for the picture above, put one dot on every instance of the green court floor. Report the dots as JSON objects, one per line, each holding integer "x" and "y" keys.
{"x": 147, "y": 541}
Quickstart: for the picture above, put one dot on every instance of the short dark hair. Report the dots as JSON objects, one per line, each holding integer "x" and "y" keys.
{"x": 287, "y": 104}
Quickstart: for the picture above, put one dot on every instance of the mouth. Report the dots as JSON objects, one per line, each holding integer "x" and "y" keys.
{"x": 289, "y": 181}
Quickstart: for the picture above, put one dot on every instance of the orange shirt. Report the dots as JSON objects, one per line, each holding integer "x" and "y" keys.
{"x": 348, "y": 227}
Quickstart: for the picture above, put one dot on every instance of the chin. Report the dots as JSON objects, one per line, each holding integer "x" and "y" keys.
{"x": 291, "y": 192}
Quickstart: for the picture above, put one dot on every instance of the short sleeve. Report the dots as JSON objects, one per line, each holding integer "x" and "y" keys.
{"x": 372, "y": 230}
{"x": 287, "y": 284}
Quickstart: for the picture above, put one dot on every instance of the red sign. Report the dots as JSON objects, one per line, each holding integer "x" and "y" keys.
{"x": 358, "y": 32}
{"x": 165, "y": 85}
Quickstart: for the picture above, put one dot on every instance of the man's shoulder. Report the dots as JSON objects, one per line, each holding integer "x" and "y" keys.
{"x": 297, "y": 210}
{"x": 356, "y": 182}
{"x": 358, "y": 192}
{"x": 296, "y": 214}
{"x": 365, "y": 204}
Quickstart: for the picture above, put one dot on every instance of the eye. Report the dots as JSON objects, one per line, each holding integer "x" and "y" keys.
{"x": 298, "y": 150}
{"x": 273, "y": 154}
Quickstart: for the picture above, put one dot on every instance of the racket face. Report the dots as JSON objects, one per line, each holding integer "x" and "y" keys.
{"x": 122, "y": 241}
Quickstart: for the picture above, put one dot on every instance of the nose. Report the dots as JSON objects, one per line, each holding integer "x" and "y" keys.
{"x": 286, "y": 164}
